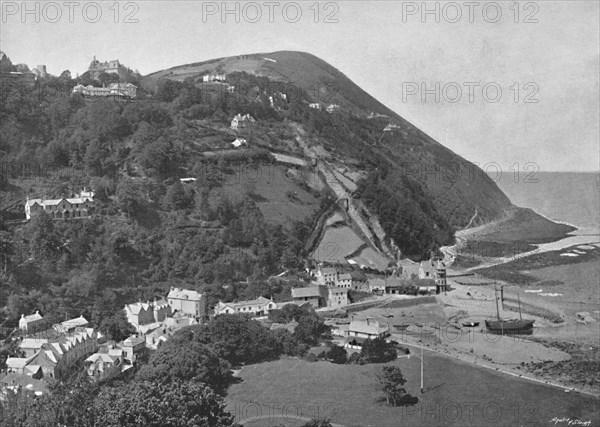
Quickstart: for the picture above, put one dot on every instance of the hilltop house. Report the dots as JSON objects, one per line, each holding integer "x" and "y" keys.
{"x": 239, "y": 142}
{"x": 32, "y": 323}
{"x": 360, "y": 330}
{"x": 214, "y": 77}
{"x": 140, "y": 313}
{"x": 258, "y": 307}
{"x": 64, "y": 208}
{"x": 115, "y": 67}
{"x": 125, "y": 90}
{"x": 391, "y": 127}
{"x": 189, "y": 302}
{"x": 241, "y": 121}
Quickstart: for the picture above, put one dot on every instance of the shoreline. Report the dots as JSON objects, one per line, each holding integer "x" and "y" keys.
{"x": 529, "y": 226}
{"x": 492, "y": 366}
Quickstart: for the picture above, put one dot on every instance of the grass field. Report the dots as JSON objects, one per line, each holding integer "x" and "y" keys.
{"x": 279, "y": 197}
{"x": 336, "y": 244}
{"x": 289, "y": 391}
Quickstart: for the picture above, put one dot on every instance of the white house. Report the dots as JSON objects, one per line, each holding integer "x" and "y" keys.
{"x": 63, "y": 208}
{"x": 32, "y": 323}
{"x": 241, "y": 121}
{"x": 214, "y": 77}
{"x": 258, "y": 307}
{"x": 239, "y": 142}
{"x": 360, "y": 330}
{"x": 188, "y": 302}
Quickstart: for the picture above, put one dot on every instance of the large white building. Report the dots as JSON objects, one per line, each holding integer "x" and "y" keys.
{"x": 64, "y": 208}
{"x": 188, "y": 302}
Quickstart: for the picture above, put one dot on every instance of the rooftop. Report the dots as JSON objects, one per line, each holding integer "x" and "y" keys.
{"x": 32, "y": 317}
{"x": 368, "y": 326}
{"x": 310, "y": 291}
{"x": 176, "y": 293}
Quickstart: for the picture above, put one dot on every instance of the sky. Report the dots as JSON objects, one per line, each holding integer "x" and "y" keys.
{"x": 505, "y": 86}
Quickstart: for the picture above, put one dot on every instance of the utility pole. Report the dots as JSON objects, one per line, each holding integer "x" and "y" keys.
{"x": 421, "y": 369}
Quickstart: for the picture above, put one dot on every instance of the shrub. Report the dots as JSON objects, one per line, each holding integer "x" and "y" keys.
{"x": 310, "y": 357}
{"x": 337, "y": 354}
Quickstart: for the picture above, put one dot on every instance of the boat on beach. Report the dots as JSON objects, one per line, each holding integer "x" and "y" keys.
{"x": 470, "y": 324}
{"x": 509, "y": 326}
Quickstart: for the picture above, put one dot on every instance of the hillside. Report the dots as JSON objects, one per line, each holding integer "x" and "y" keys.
{"x": 458, "y": 189}
{"x": 190, "y": 192}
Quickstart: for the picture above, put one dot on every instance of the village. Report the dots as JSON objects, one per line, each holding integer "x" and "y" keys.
{"x": 50, "y": 352}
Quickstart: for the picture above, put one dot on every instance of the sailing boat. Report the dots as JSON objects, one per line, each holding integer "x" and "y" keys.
{"x": 510, "y": 326}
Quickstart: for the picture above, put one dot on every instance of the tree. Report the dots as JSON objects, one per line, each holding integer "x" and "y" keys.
{"x": 392, "y": 383}
{"x": 240, "y": 339}
{"x": 378, "y": 351}
{"x": 160, "y": 405}
{"x": 116, "y": 327}
{"x": 337, "y": 354}
{"x": 187, "y": 361}
{"x": 129, "y": 197}
{"x": 176, "y": 197}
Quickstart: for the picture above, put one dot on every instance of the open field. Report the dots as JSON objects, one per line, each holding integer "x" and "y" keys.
{"x": 336, "y": 244}
{"x": 288, "y": 391}
{"x": 279, "y": 198}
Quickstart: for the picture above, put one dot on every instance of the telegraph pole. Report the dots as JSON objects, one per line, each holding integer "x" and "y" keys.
{"x": 421, "y": 369}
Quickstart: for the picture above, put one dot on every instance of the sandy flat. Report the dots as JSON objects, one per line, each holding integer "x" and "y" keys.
{"x": 587, "y": 247}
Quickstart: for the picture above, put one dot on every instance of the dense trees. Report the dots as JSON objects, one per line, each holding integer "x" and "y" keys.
{"x": 405, "y": 213}
{"x": 310, "y": 326}
{"x": 337, "y": 354}
{"x": 161, "y": 405}
{"x": 378, "y": 351}
{"x": 182, "y": 360}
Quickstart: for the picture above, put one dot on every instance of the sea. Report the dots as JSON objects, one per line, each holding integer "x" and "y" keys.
{"x": 567, "y": 197}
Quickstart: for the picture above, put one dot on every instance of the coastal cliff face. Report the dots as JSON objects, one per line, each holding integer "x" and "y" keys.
{"x": 405, "y": 177}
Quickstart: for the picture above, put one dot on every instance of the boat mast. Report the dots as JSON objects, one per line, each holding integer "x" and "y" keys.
{"x": 496, "y": 298}
{"x": 519, "y": 298}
